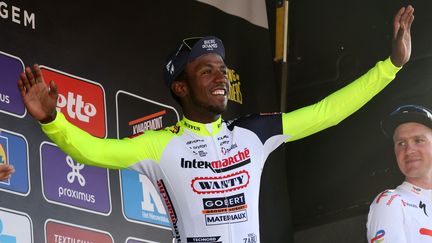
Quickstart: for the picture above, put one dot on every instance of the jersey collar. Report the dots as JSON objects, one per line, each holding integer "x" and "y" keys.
{"x": 423, "y": 193}
{"x": 205, "y": 129}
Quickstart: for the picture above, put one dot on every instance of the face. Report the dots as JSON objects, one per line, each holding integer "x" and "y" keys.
{"x": 206, "y": 88}
{"x": 413, "y": 149}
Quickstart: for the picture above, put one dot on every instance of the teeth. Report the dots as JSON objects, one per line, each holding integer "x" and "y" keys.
{"x": 219, "y": 92}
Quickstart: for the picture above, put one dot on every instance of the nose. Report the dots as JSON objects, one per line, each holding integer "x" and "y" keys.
{"x": 410, "y": 148}
{"x": 221, "y": 77}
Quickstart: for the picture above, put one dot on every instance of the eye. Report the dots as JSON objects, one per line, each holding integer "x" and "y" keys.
{"x": 400, "y": 143}
{"x": 420, "y": 140}
{"x": 206, "y": 71}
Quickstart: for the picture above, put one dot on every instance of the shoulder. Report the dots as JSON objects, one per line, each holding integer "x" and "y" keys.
{"x": 388, "y": 200}
{"x": 255, "y": 121}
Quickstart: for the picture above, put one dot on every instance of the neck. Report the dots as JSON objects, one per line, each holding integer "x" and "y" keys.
{"x": 202, "y": 119}
{"x": 201, "y": 115}
{"x": 423, "y": 183}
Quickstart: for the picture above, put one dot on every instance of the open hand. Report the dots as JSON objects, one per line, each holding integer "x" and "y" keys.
{"x": 401, "y": 44}
{"x": 39, "y": 98}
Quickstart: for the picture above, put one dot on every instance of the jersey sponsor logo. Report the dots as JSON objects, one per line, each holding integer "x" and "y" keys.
{"x": 424, "y": 231}
{"x": 221, "y": 184}
{"x": 423, "y": 206}
{"x": 224, "y": 204}
{"x": 241, "y": 158}
{"x": 386, "y": 194}
{"x": 379, "y": 237}
{"x": 191, "y": 127}
{"x": 227, "y": 218}
{"x": 10, "y": 97}
{"x": 58, "y": 231}
{"x": 14, "y": 151}
{"x": 407, "y": 204}
{"x": 251, "y": 238}
{"x": 204, "y": 239}
{"x": 171, "y": 211}
{"x": 416, "y": 190}
{"x": 81, "y": 100}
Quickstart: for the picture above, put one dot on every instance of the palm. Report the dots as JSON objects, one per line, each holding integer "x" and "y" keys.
{"x": 39, "y": 102}
{"x": 39, "y": 98}
{"x": 401, "y": 51}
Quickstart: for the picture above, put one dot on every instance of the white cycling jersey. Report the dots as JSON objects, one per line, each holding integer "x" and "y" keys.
{"x": 208, "y": 175}
{"x": 402, "y": 215}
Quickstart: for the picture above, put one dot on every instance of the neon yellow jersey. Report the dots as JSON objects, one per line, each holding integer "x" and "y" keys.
{"x": 208, "y": 175}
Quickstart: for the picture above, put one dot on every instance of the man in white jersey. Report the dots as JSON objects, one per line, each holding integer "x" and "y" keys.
{"x": 403, "y": 215}
{"x": 208, "y": 171}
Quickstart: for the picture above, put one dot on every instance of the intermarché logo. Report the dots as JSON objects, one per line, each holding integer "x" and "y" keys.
{"x": 237, "y": 160}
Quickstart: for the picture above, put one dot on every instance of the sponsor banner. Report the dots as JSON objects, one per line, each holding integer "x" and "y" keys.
{"x": 71, "y": 184}
{"x": 141, "y": 201}
{"x": 227, "y": 218}
{"x": 59, "y": 232}
{"x": 136, "y": 240}
{"x": 14, "y": 151}
{"x": 10, "y": 97}
{"x": 220, "y": 184}
{"x": 135, "y": 115}
{"x": 81, "y": 101}
{"x": 15, "y": 227}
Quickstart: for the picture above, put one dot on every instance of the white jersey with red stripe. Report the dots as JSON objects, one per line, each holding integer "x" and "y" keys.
{"x": 400, "y": 216}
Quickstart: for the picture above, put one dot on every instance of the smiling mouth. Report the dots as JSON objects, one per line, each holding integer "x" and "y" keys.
{"x": 410, "y": 161}
{"x": 218, "y": 92}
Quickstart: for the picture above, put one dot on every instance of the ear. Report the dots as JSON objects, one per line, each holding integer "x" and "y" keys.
{"x": 179, "y": 88}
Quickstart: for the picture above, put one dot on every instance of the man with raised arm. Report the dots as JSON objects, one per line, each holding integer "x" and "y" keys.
{"x": 207, "y": 170}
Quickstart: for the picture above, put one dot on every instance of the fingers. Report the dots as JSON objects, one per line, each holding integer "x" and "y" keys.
{"x": 21, "y": 87}
{"x": 38, "y": 72}
{"x": 396, "y": 21}
{"x": 53, "y": 90}
{"x": 30, "y": 76}
{"x": 24, "y": 80}
{"x": 28, "y": 79}
{"x": 406, "y": 16}
{"x": 410, "y": 21}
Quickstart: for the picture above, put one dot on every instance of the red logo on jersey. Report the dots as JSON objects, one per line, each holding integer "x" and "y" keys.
{"x": 220, "y": 184}
{"x": 424, "y": 231}
{"x": 80, "y": 100}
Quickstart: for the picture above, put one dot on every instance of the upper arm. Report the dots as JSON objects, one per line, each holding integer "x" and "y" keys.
{"x": 386, "y": 221}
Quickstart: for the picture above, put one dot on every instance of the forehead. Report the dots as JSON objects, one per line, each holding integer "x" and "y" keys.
{"x": 410, "y": 129}
{"x": 209, "y": 59}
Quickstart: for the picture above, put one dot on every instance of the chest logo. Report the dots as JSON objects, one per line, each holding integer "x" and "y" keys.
{"x": 220, "y": 184}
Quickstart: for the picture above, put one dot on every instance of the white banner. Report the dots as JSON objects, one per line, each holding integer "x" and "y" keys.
{"x": 254, "y": 11}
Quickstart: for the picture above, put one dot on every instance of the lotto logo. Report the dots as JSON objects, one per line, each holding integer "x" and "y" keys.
{"x": 81, "y": 101}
